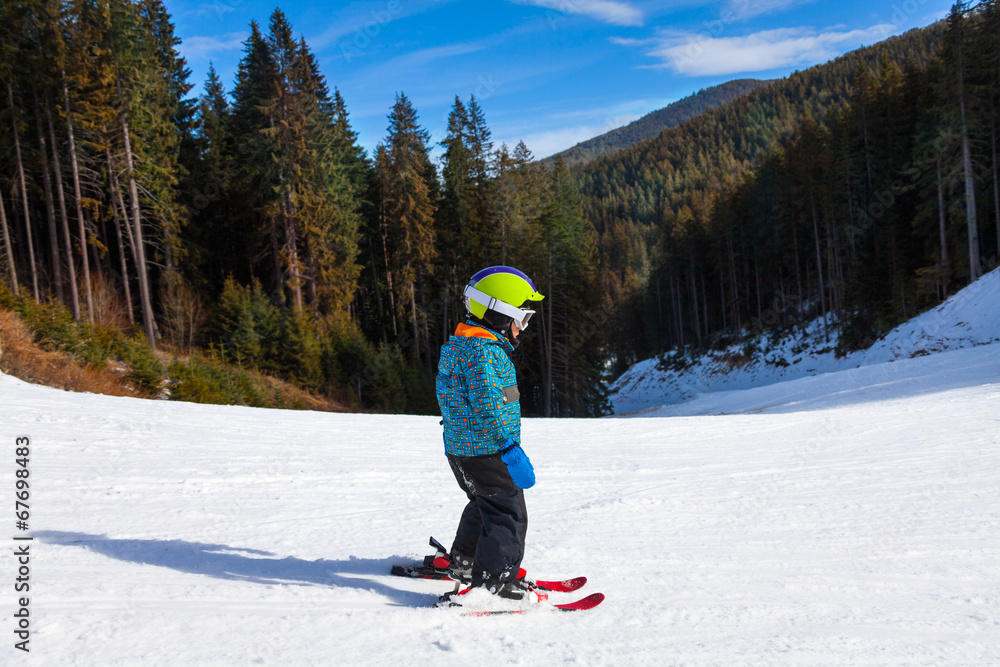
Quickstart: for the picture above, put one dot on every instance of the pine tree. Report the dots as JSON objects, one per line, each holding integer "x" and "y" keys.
{"x": 570, "y": 325}
{"x": 406, "y": 174}
{"x": 954, "y": 48}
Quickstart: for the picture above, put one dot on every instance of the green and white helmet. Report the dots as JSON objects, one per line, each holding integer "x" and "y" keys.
{"x": 504, "y": 290}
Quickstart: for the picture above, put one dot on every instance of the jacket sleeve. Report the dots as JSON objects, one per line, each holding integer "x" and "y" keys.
{"x": 483, "y": 379}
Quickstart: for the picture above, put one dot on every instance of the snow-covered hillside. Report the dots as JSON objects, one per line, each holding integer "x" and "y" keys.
{"x": 969, "y": 318}
{"x": 855, "y": 520}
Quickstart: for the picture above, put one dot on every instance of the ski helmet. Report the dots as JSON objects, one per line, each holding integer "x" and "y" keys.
{"x": 503, "y": 290}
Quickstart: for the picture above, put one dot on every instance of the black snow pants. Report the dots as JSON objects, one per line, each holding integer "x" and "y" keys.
{"x": 494, "y": 522}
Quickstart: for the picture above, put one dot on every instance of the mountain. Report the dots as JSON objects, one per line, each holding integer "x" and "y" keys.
{"x": 655, "y": 122}
{"x": 712, "y": 228}
{"x": 709, "y": 151}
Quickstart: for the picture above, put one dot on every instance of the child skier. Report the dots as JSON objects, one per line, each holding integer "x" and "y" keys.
{"x": 478, "y": 396}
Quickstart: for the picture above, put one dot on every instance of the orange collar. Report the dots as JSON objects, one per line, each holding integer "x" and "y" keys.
{"x": 470, "y": 331}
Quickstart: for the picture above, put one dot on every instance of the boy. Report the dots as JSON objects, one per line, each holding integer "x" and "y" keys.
{"x": 478, "y": 396}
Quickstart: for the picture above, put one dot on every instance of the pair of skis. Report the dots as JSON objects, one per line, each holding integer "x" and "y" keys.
{"x": 436, "y": 567}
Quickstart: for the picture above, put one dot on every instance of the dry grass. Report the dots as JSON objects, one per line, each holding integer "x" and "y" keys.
{"x": 299, "y": 397}
{"x": 22, "y": 358}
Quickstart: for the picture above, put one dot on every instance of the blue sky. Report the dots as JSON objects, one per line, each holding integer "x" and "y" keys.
{"x": 549, "y": 72}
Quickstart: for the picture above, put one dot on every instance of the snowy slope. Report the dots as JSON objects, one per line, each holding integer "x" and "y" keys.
{"x": 969, "y": 318}
{"x": 859, "y": 526}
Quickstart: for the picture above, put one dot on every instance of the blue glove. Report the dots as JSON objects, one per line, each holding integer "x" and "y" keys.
{"x": 519, "y": 467}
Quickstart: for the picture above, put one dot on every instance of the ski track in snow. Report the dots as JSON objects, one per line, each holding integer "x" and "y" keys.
{"x": 849, "y": 518}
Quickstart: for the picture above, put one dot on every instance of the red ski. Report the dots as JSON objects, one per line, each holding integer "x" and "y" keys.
{"x": 584, "y": 604}
{"x": 436, "y": 567}
{"x": 564, "y": 586}
{"x": 430, "y": 572}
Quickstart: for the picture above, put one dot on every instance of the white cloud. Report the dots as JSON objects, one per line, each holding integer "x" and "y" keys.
{"x": 203, "y": 48}
{"x": 628, "y": 41}
{"x": 591, "y": 123}
{"x": 615, "y": 13}
{"x": 693, "y": 54}
{"x": 745, "y": 9}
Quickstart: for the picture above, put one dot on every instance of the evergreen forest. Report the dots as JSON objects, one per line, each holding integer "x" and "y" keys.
{"x": 243, "y": 221}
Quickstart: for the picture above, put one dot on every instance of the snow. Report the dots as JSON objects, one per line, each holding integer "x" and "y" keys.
{"x": 969, "y": 318}
{"x": 851, "y": 517}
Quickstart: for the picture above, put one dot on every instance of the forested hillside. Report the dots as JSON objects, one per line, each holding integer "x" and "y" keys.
{"x": 243, "y": 219}
{"x": 856, "y": 190}
{"x": 248, "y": 222}
{"x": 655, "y": 122}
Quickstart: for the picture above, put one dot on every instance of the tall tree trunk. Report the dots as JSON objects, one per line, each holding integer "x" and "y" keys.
{"x": 88, "y": 288}
{"x": 294, "y": 267}
{"x": 996, "y": 181}
{"x": 428, "y": 351}
{"x": 836, "y": 271}
{"x": 756, "y": 281}
{"x": 696, "y": 317}
{"x": 116, "y": 202}
{"x": 24, "y": 195}
{"x": 831, "y": 279}
{"x": 148, "y": 322}
{"x": 50, "y": 212}
{"x": 722, "y": 300}
{"x": 384, "y": 232}
{"x": 864, "y": 130}
{"x": 798, "y": 275}
{"x": 413, "y": 313}
{"x": 74, "y": 289}
{"x": 291, "y": 237}
{"x": 659, "y": 309}
{"x": 732, "y": 275}
{"x": 445, "y": 329}
{"x": 704, "y": 305}
{"x": 942, "y": 230}
{"x": 8, "y": 249}
{"x": 675, "y": 298}
{"x": 819, "y": 270}
{"x": 378, "y": 294}
{"x": 279, "y": 270}
{"x": 975, "y": 266}
{"x": 549, "y": 325}
{"x": 311, "y": 279}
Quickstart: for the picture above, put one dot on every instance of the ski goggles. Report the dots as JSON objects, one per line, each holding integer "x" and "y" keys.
{"x": 520, "y": 315}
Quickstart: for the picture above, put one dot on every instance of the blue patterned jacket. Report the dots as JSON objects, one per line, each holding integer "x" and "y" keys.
{"x": 477, "y": 393}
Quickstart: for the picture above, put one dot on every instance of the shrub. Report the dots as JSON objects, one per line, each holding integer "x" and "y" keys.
{"x": 199, "y": 381}
{"x": 145, "y": 370}
{"x": 247, "y": 328}
{"x": 304, "y": 352}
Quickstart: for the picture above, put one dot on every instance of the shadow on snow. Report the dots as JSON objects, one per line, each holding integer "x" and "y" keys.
{"x": 251, "y": 565}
